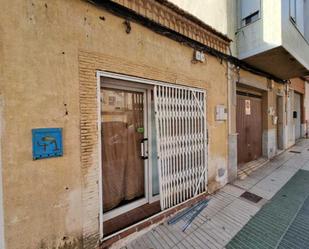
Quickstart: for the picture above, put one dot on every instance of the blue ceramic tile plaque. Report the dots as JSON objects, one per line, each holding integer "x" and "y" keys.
{"x": 46, "y": 142}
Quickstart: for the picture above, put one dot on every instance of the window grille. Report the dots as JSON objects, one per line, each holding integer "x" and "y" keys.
{"x": 180, "y": 115}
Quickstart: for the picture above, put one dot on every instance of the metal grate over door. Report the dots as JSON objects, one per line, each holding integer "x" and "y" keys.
{"x": 181, "y": 143}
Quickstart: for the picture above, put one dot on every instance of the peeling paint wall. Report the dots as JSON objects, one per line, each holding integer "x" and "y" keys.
{"x": 40, "y": 85}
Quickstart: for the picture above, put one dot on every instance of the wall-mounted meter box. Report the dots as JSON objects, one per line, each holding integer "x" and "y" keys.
{"x": 221, "y": 113}
{"x": 295, "y": 114}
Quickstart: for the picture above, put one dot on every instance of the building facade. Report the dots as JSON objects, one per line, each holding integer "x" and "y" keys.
{"x": 272, "y": 36}
{"x": 151, "y": 105}
{"x": 100, "y": 75}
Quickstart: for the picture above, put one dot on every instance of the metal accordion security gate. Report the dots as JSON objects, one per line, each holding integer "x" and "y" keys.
{"x": 180, "y": 115}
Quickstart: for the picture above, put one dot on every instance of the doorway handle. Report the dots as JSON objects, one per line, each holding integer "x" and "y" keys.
{"x": 144, "y": 148}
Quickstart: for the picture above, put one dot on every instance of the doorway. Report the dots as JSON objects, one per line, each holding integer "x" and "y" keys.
{"x": 129, "y": 168}
{"x": 158, "y": 129}
{"x": 297, "y": 115}
{"x": 249, "y": 127}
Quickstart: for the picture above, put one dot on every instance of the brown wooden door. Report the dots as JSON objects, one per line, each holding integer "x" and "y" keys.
{"x": 249, "y": 128}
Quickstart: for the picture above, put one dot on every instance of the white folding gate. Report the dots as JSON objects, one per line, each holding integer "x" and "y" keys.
{"x": 181, "y": 143}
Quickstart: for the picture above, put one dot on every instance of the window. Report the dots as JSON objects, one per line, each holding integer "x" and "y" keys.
{"x": 250, "y": 19}
{"x": 250, "y": 11}
{"x": 293, "y": 10}
{"x": 297, "y": 14}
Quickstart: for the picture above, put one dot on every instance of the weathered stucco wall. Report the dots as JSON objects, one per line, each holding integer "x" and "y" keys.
{"x": 39, "y": 48}
{"x": 298, "y": 85}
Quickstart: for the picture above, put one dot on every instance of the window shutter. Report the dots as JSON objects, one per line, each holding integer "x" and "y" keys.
{"x": 180, "y": 115}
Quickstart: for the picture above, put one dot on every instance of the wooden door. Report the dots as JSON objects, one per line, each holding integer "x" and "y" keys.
{"x": 249, "y": 128}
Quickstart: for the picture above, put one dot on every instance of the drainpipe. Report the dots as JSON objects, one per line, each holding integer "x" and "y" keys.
{"x": 232, "y": 135}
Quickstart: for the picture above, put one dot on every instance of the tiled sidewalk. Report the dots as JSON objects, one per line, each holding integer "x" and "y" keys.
{"x": 281, "y": 222}
{"x": 227, "y": 212}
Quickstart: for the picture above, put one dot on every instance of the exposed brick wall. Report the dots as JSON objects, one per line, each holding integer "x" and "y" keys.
{"x": 89, "y": 150}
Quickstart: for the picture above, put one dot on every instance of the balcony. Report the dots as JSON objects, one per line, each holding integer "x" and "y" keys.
{"x": 275, "y": 42}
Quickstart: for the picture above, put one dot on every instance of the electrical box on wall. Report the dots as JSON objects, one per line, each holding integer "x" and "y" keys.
{"x": 221, "y": 113}
{"x": 275, "y": 120}
{"x": 271, "y": 111}
{"x": 295, "y": 114}
{"x": 199, "y": 56}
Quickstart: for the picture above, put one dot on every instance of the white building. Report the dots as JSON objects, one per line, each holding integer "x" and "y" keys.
{"x": 272, "y": 36}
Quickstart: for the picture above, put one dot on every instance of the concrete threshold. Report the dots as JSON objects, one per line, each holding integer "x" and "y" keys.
{"x": 250, "y": 167}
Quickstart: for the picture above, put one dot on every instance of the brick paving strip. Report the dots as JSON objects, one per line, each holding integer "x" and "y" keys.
{"x": 281, "y": 223}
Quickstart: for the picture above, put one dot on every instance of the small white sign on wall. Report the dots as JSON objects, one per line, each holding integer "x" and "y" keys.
{"x": 221, "y": 113}
{"x": 247, "y": 107}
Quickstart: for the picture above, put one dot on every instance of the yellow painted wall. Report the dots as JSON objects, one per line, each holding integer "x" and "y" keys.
{"x": 39, "y": 47}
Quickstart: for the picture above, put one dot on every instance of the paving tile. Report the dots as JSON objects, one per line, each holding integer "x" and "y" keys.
{"x": 209, "y": 241}
{"x": 267, "y": 227}
{"x": 218, "y": 231}
{"x": 233, "y": 190}
{"x": 227, "y": 213}
{"x": 165, "y": 237}
{"x": 186, "y": 244}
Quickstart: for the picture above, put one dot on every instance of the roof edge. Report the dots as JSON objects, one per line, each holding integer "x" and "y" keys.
{"x": 193, "y": 18}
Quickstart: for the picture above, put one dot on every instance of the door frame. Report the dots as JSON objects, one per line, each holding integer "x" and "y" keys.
{"x": 297, "y": 104}
{"x": 2, "y": 240}
{"x": 126, "y": 208}
{"x": 280, "y": 121}
{"x": 143, "y": 83}
{"x": 120, "y": 82}
{"x": 247, "y": 93}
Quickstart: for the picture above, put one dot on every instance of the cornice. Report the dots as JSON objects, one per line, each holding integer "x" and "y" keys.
{"x": 170, "y": 16}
